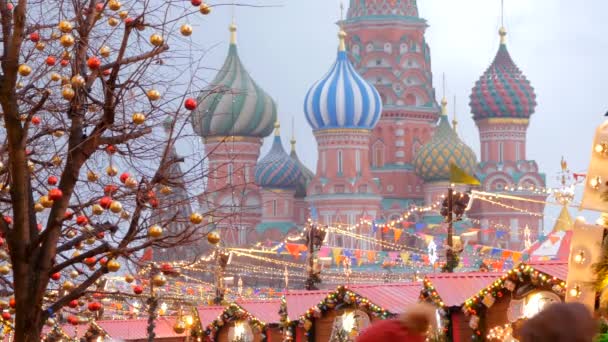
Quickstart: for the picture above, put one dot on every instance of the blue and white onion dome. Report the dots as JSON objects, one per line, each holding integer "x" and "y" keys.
{"x": 234, "y": 104}
{"x": 342, "y": 98}
{"x": 277, "y": 170}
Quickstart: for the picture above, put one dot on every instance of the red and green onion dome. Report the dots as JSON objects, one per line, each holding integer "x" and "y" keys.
{"x": 433, "y": 160}
{"x": 233, "y": 104}
{"x": 502, "y": 91}
{"x": 277, "y": 170}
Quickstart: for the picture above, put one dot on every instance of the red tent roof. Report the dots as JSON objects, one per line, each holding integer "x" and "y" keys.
{"x": 557, "y": 268}
{"x": 266, "y": 311}
{"x": 555, "y": 247}
{"x": 136, "y": 329}
{"x": 298, "y": 302}
{"x": 208, "y": 314}
{"x": 455, "y": 288}
{"x": 392, "y": 297}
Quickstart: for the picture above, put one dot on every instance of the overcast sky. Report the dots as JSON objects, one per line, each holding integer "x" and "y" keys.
{"x": 560, "y": 45}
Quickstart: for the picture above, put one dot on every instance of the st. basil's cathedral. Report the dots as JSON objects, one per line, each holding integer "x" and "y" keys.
{"x": 384, "y": 144}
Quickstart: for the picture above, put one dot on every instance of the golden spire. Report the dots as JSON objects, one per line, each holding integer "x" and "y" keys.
{"x": 455, "y": 120}
{"x": 502, "y": 32}
{"x": 444, "y": 101}
{"x": 341, "y": 33}
{"x": 232, "y": 29}
{"x": 293, "y": 136}
{"x": 277, "y": 127}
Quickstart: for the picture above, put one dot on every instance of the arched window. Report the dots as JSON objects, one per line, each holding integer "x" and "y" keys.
{"x": 378, "y": 154}
{"x": 501, "y": 151}
{"x": 274, "y": 207}
{"x": 358, "y": 161}
{"x": 410, "y": 100}
{"x": 340, "y": 162}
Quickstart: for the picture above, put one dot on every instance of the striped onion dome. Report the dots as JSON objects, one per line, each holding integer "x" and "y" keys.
{"x": 342, "y": 98}
{"x": 277, "y": 170}
{"x": 502, "y": 91}
{"x": 234, "y": 105}
{"x": 433, "y": 160}
{"x": 305, "y": 174}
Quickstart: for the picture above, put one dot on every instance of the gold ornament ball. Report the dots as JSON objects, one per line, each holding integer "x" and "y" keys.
{"x": 105, "y": 51}
{"x": 166, "y": 190}
{"x": 56, "y": 160}
{"x": 38, "y": 207}
{"x": 30, "y": 166}
{"x": 3, "y": 255}
{"x": 67, "y": 40}
{"x": 58, "y": 134}
{"x": 46, "y": 201}
{"x": 113, "y": 265}
{"x": 40, "y": 46}
{"x": 55, "y": 77}
{"x": 196, "y": 218}
{"x": 67, "y": 93}
{"x": 179, "y": 327}
{"x": 213, "y": 238}
{"x": 90, "y": 241}
{"x": 111, "y": 171}
{"x": 205, "y": 9}
{"x": 65, "y": 26}
{"x": 25, "y": 70}
{"x": 66, "y": 55}
{"x": 159, "y": 280}
{"x": 125, "y": 215}
{"x": 153, "y": 94}
{"x": 74, "y": 274}
{"x": 113, "y": 22}
{"x": 129, "y": 278}
{"x": 123, "y": 14}
{"x": 55, "y": 35}
{"x": 156, "y": 39}
{"x": 67, "y": 285}
{"x": 138, "y": 118}
{"x": 115, "y": 207}
{"x": 114, "y": 5}
{"x": 97, "y": 209}
{"x": 5, "y": 269}
{"x": 155, "y": 231}
{"x": 92, "y": 176}
{"x": 186, "y": 30}
{"x": 77, "y": 81}
{"x": 131, "y": 182}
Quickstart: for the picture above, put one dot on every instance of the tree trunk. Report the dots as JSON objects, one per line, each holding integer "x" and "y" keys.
{"x": 29, "y": 316}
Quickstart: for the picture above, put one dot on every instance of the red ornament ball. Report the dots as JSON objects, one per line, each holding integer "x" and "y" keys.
{"x": 82, "y": 220}
{"x": 36, "y": 120}
{"x": 55, "y": 194}
{"x": 110, "y": 189}
{"x": 64, "y": 62}
{"x": 35, "y": 37}
{"x": 94, "y": 306}
{"x": 73, "y": 303}
{"x": 68, "y": 214}
{"x": 6, "y": 315}
{"x": 8, "y": 219}
{"x": 9, "y": 6}
{"x": 190, "y": 104}
{"x": 124, "y": 176}
{"x": 12, "y": 303}
{"x": 51, "y": 60}
{"x": 39, "y": 227}
{"x": 73, "y": 320}
{"x": 52, "y": 180}
{"x": 105, "y": 202}
{"x": 99, "y": 6}
{"x": 110, "y": 149}
{"x": 56, "y": 276}
{"x": 196, "y": 2}
{"x": 93, "y": 63}
{"x": 107, "y": 72}
{"x": 137, "y": 289}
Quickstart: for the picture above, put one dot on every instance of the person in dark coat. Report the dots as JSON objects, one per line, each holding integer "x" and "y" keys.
{"x": 560, "y": 322}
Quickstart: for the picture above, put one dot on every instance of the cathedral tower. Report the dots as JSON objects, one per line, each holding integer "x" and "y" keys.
{"x": 387, "y": 47}
{"x": 233, "y": 116}
{"x": 502, "y": 102}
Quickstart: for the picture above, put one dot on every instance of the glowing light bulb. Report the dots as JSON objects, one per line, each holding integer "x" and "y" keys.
{"x": 599, "y": 148}
{"x": 595, "y": 182}
{"x": 579, "y": 258}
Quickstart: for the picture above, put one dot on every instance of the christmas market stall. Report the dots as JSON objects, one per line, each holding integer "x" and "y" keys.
{"x": 497, "y": 311}
{"x": 236, "y": 324}
{"x": 345, "y": 312}
{"x": 497, "y": 302}
{"x": 449, "y": 291}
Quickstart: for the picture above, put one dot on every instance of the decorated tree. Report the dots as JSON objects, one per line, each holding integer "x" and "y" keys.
{"x": 85, "y": 87}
